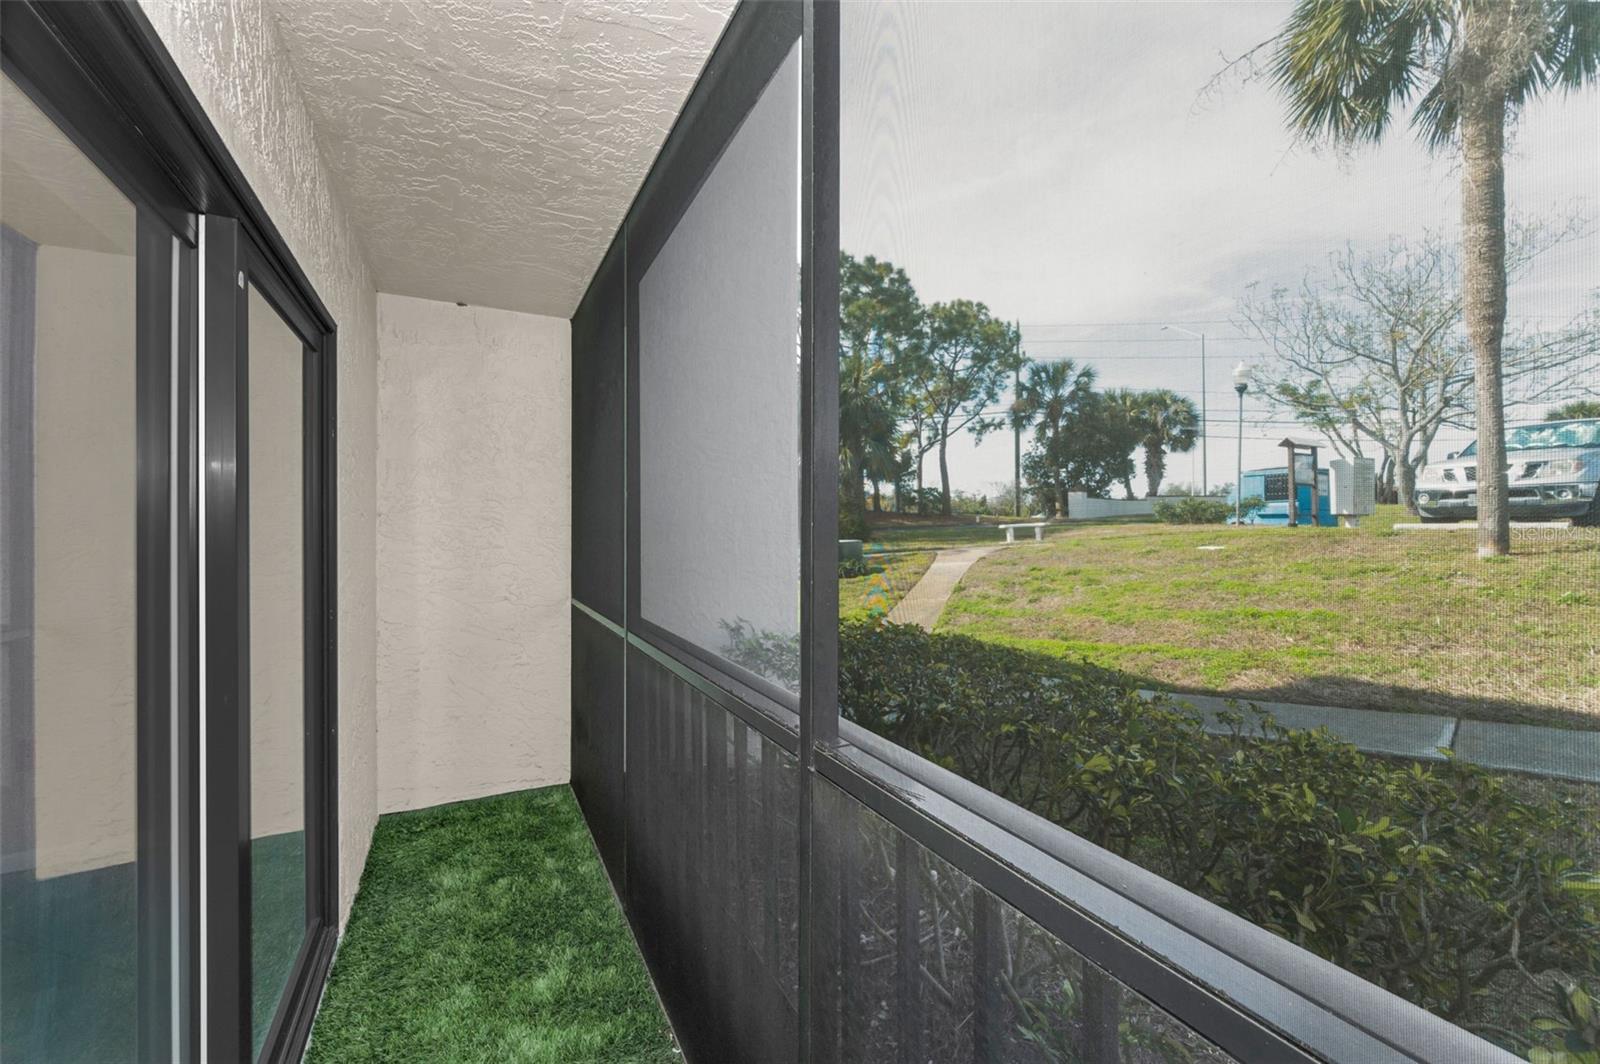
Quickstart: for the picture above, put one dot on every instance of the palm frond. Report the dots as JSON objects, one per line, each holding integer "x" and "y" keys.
{"x": 1436, "y": 116}
{"x": 1569, "y": 56}
{"x": 1348, "y": 66}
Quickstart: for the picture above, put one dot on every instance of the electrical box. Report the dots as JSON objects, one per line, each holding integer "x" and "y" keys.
{"x": 1353, "y": 487}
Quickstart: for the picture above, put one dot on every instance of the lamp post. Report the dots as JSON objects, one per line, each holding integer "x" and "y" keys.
{"x": 1205, "y": 479}
{"x": 1241, "y": 384}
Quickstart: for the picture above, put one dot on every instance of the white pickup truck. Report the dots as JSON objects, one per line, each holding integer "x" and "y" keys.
{"x": 1554, "y": 472}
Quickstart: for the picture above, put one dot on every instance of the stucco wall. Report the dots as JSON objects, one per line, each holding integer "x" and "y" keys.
{"x": 474, "y": 542}
{"x": 230, "y": 54}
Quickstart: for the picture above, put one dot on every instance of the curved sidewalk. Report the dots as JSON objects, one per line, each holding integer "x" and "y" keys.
{"x": 925, "y": 601}
{"x": 1558, "y": 753}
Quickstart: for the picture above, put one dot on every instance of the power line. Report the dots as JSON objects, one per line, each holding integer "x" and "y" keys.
{"x": 1110, "y": 324}
{"x": 1135, "y": 340}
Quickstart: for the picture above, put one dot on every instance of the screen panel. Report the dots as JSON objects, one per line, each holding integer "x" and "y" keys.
{"x": 713, "y": 809}
{"x": 916, "y": 962}
{"x": 1060, "y": 298}
{"x": 719, "y": 447}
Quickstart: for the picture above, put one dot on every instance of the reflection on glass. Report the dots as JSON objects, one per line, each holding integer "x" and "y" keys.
{"x": 719, "y": 400}
{"x": 1063, "y": 225}
{"x": 68, "y": 836}
{"x": 277, "y": 658}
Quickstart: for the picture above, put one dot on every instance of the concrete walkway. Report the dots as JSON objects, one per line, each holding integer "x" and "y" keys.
{"x": 1558, "y": 753}
{"x": 925, "y": 601}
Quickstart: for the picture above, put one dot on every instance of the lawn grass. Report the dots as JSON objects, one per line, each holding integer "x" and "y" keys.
{"x": 486, "y": 931}
{"x": 874, "y": 595}
{"x": 1367, "y": 617}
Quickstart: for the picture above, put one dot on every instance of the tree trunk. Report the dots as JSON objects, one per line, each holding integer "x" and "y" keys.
{"x": 944, "y": 476}
{"x": 877, "y": 496}
{"x": 853, "y": 503}
{"x": 1406, "y": 476}
{"x": 1155, "y": 467}
{"x": 920, "y": 455}
{"x": 1483, "y": 284}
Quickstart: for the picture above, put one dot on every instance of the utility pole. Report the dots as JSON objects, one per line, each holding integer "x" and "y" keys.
{"x": 1016, "y": 430}
{"x": 1241, "y": 384}
{"x": 1205, "y": 474}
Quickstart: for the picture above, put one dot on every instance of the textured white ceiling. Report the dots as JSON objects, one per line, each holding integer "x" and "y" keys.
{"x": 487, "y": 151}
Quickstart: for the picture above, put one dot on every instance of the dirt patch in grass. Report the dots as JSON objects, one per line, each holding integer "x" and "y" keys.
{"x": 1367, "y": 617}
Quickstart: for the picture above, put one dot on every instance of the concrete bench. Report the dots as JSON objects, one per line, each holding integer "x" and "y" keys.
{"x": 1011, "y": 531}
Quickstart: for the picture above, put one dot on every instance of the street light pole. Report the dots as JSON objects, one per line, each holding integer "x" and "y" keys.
{"x": 1016, "y": 430}
{"x": 1205, "y": 476}
{"x": 1241, "y": 384}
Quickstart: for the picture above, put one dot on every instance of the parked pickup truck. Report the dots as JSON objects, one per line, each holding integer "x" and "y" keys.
{"x": 1555, "y": 472}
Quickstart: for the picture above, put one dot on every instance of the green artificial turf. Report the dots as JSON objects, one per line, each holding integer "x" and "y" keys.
{"x": 486, "y": 931}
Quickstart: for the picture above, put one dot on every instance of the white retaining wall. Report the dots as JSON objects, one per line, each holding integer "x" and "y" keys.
{"x": 1080, "y": 507}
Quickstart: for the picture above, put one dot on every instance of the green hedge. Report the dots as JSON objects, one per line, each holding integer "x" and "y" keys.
{"x": 1187, "y": 510}
{"x": 1454, "y": 888}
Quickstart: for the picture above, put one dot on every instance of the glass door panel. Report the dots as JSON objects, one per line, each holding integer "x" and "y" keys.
{"x": 276, "y": 476}
{"x": 69, "y": 600}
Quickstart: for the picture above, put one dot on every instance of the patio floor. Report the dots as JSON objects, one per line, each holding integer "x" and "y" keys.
{"x": 486, "y": 931}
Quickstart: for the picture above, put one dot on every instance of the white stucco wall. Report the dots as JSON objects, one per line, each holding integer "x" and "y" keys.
{"x": 474, "y": 547}
{"x": 231, "y": 56}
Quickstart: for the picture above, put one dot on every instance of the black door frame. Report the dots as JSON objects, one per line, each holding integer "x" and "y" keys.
{"x": 100, "y": 71}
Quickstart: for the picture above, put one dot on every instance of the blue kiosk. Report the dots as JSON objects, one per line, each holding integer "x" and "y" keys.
{"x": 1287, "y": 489}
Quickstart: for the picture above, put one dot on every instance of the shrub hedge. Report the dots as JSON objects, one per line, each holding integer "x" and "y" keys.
{"x": 1451, "y": 887}
{"x": 1188, "y": 510}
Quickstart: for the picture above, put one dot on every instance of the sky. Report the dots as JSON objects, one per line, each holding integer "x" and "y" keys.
{"x": 1095, "y": 170}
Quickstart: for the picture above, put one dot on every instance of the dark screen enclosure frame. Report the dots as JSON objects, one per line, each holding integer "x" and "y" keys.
{"x": 1235, "y": 985}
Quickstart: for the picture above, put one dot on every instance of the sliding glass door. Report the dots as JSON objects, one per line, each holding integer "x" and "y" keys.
{"x": 277, "y": 723}
{"x": 92, "y": 483}
{"x": 270, "y": 674}
{"x": 167, "y": 608}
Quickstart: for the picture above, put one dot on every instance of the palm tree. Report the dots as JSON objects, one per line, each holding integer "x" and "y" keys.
{"x": 1347, "y": 66}
{"x": 1167, "y": 423}
{"x": 1050, "y": 393}
{"x": 1573, "y": 411}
